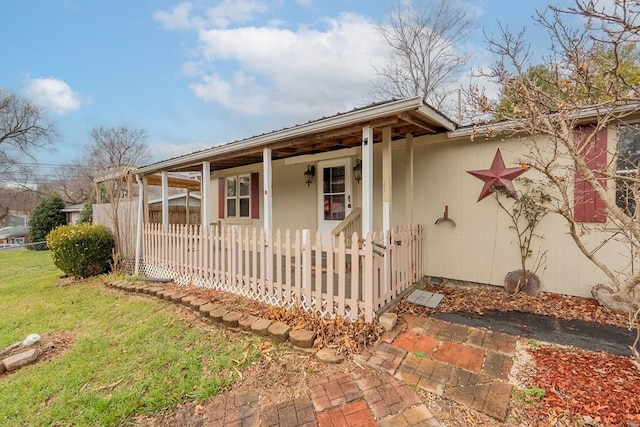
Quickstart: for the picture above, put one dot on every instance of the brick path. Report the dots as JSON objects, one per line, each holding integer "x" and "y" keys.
{"x": 467, "y": 365}
{"x": 464, "y": 364}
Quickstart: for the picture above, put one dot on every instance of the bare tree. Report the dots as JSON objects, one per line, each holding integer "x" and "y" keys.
{"x": 588, "y": 83}
{"x": 425, "y": 41}
{"x": 112, "y": 150}
{"x": 23, "y": 129}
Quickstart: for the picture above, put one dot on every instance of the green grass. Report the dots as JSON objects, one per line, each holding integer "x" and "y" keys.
{"x": 130, "y": 356}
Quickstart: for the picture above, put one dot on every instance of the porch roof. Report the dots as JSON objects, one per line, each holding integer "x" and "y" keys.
{"x": 343, "y": 130}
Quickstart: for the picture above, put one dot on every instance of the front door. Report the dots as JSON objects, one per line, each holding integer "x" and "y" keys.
{"x": 335, "y": 199}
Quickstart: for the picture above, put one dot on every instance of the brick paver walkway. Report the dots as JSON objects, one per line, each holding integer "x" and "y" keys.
{"x": 464, "y": 364}
{"x": 467, "y": 365}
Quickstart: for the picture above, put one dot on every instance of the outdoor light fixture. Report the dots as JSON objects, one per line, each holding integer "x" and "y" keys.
{"x": 309, "y": 174}
{"x": 357, "y": 170}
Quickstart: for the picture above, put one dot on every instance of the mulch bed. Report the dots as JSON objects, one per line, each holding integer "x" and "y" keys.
{"x": 478, "y": 299}
{"x": 597, "y": 386}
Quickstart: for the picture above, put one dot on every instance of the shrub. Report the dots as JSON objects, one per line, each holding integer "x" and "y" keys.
{"x": 46, "y": 216}
{"x": 81, "y": 250}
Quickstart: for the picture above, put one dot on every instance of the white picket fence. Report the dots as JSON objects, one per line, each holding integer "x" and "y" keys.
{"x": 286, "y": 269}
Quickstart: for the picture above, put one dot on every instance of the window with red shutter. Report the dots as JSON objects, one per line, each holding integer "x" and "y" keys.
{"x": 238, "y": 196}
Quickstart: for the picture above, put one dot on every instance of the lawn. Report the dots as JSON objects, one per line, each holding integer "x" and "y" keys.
{"x": 128, "y": 356}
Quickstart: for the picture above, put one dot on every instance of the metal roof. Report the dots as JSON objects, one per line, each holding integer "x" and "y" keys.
{"x": 343, "y": 130}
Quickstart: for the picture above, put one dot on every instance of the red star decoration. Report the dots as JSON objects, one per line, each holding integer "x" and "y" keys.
{"x": 497, "y": 177}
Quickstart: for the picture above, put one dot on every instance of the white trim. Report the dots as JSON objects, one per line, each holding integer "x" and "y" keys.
{"x": 267, "y": 180}
{"x": 205, "y": 191}
{"x": 387, "y": 183}
{"x": 165, "y": 198}
{"x": 367, "y": 181}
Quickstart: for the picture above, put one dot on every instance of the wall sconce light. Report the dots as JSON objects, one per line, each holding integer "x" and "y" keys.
{"x": 357, "y": 170}
{"x": 309, "y": 174}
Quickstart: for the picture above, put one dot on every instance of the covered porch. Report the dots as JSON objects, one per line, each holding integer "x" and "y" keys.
{"x": 304, "y": 215}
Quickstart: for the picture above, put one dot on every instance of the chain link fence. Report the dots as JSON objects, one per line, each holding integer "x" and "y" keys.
{"x": 36, "y": 246}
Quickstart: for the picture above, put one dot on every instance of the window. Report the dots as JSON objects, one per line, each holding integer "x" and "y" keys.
{"x": 628, "y": 160}
{"x": 238, "y": 196}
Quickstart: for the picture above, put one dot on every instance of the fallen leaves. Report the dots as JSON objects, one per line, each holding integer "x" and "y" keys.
{"x": 477, "y": 299}
{"x": 598, "y": 385}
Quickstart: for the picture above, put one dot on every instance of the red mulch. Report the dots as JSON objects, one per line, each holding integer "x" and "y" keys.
{"x": 600, "y": 385}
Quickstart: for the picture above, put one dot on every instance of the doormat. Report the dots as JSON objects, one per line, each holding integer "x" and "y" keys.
{"x": 425, "y": 298}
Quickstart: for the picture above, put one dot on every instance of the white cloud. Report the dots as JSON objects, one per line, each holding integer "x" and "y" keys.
{"x": 54, "y": 95}
{"x": 300, "y": 72}
{"x": 219, "y": 16}
{"x": 177, "y": 19}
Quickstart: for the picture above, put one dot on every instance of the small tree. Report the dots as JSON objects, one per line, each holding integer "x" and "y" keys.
{"x": 111, "y": 150}
{"x": 46, "y": 216}
{"x": 526, "y": 212}
{"x": 425, "y": 43}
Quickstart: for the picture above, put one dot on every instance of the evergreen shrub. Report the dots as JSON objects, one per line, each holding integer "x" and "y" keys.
{"x": 81, "y": 250}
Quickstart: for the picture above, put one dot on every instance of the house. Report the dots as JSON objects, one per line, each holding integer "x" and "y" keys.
{"x": 373, "y": 199}
{"x": 73, "y": 213}
{"x": 14, "y": 236}
{"x": 184, "y": 208}
{"x": 15, "y": 219}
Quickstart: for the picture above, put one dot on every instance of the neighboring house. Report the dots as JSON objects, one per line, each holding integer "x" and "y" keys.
{"x": 73, "y": 213}
{"x": 182, "y": 209}
{"x": 394, "y": 167}
{"x": 178, "y": 200}
{"x": 16, "y": 218}
{"x": 18, "y": 235}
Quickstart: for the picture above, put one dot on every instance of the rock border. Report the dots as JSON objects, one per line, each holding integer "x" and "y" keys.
{"x": 231, "y": 320}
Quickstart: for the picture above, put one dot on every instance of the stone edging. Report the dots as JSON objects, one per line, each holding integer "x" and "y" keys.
{"x": 301, "y": 339}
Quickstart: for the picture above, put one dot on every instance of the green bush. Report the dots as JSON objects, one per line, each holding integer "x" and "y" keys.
{"x": 81, "y": 250}
{"x": 46, "y": 216}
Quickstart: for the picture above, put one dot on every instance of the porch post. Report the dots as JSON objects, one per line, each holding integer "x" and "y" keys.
{"x": 165, "y": 198}
{"x": 205, "y": 186}
{"x": 140, "y": 218}
{"x": 386, "y": 179}
{"x": 145, "y": 199}
{"x": 268, "y": 197}
{"x": 367, "y": 181}
{"x": 186, "y": 207}
{"x": 408, "y": 179}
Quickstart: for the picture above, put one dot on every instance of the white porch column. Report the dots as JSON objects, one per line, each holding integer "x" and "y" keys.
{"x": 205, "y": 194}
{"x": 268, "y": 196}
{"x": 367, "y": 181}
{"x": 145, "y": 199}
{"x": 408, "y": 179}
{"x": 386, "y": 179}
{"x": 141, "y": 201}
{"x": 165, "y": 198}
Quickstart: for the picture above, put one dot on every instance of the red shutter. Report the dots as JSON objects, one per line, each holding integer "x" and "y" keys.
{"x": 588, "y": 206}
{"x": 221, "y": 197}
{"x": 255, "y": 196}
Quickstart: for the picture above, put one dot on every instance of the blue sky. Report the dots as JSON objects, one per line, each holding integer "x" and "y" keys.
{"x": 197, "y": 74}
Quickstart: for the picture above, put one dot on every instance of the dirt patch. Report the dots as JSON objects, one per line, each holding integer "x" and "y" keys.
{"x": 50, "y": 346}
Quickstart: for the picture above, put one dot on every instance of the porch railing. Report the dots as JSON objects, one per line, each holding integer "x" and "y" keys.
{"x": 351, "y": 224}
{"x": 286, "y": 269}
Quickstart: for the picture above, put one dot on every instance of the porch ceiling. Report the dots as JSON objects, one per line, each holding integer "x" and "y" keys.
{"x": 409, "y": 116}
